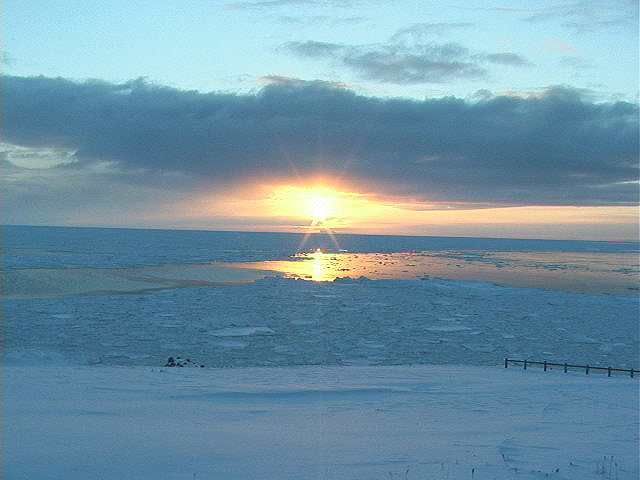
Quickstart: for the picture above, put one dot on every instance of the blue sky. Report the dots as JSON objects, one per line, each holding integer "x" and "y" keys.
{"x": 234, "y": 46}
{"x": 200, "y": 113}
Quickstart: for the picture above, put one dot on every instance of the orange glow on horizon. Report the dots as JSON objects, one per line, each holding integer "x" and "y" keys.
{"x": 320, "y": 208}
{"x": 323, "y": 207}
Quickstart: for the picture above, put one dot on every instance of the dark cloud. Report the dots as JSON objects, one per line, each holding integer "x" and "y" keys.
{"x": 422, "y": 64}
{"x": 411, "y": 56}
{"x": 585, "y": 15}
{"x": 396, "y": 63}
{"x": 422, "y": 31}
{"x": 508, "y": 58}
{"x": 558, "y": 148}
{"x": 313, "y": 49}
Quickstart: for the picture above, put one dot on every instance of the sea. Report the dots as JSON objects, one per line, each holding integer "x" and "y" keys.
{"x": 138, "y": 296}
{"x": 573, "y": 265}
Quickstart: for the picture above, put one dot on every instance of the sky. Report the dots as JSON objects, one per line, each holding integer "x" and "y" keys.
{"x": 487, "y": 118}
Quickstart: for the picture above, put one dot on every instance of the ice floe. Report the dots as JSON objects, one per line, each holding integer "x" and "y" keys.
{"x": 241, "y": 331}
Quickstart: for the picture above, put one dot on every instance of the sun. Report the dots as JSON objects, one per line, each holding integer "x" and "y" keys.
{"x": 318, "y": 206}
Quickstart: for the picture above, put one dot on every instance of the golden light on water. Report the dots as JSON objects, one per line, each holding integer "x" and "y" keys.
{"x": 319, "y": 266}
{"x": 585, "y": 273}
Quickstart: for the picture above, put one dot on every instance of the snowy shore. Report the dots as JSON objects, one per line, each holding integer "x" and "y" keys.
{"x": 394, "y": 422}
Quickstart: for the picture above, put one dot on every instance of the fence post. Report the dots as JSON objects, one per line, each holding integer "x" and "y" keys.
{"x": 587, "y": 368}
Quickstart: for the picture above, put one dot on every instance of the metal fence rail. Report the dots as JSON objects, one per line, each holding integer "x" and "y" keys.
{"x": 566, "y": 366}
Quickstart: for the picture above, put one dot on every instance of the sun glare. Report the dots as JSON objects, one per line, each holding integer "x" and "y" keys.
{"x": 318, "y": 207}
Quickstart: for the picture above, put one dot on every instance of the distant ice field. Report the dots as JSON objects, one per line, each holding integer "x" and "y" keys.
{"x": 64, "y": 299}
{"x": 284, "y": 321}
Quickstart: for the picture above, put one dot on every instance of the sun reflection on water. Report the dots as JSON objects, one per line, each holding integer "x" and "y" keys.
{"x": 579, "y": 272}
{"x": 319, "y": 266}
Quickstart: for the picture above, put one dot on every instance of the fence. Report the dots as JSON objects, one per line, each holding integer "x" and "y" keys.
{"x": 566, "y": 367}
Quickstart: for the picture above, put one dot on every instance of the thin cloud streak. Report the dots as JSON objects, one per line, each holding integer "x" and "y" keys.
{"x": 508, "y": 58}
{"x": 583, "y": 16}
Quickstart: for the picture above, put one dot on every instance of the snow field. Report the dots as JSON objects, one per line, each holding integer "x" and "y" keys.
{"x": 314, "y": 422}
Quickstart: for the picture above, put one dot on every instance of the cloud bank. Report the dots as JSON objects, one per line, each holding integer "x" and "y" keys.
{"x": 411, "y": 56}
{"x": 558, "y": 148}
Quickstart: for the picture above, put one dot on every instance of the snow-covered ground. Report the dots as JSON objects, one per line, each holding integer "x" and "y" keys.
{"x": 314, "y": 422}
